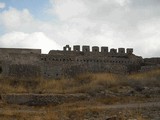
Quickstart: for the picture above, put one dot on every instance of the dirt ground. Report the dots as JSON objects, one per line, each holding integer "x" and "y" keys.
{"x": 89, "y": 97}
{"x": 92, "y": 109}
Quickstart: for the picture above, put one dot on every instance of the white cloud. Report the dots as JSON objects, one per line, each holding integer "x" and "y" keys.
{"x": 15, "y": 20}
{"x": 27, "y": 26}
{"x": 122, "y": 2}
{"x": 112, "y": 23}
{"x": 66, "y": 9}
{"x": 2, "y": 5}
{"x": 24, "y": 40}
{"x": 115, "y": 23}
{"x": 150, "y": 34}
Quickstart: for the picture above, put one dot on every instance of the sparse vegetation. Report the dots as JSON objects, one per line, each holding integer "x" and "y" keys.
{"x": 72, "y": 112}
{"x": 104, "y": 89}
{"x": 81, "y": 84}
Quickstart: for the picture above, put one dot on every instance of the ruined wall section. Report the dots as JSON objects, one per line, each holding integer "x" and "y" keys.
{"x": 68, "y": 62}
{"x": 152, "y": 61}
{"x": 25, "y": 65}
{"x": 150, "y": 64}
{"x": 149, "y": 68}
{"x": 20, "y": 62}
{"x": 19, "y": 55}
{"x": 52, "y": 66}
{"x": 56, "y": 64}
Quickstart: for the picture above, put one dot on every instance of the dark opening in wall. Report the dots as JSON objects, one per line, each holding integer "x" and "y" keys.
{"x": 67, "y": 49}
{"x": 1, "y": 70}
{"x": 70, "y": 59}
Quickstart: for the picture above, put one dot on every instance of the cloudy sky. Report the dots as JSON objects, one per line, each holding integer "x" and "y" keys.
{"x": 51, "y": 24}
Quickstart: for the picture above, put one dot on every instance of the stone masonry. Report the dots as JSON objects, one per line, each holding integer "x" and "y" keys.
{"x": 70, "y": 62}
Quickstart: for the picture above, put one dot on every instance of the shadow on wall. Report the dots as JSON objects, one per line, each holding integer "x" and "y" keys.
{"x": 1, "y": 70}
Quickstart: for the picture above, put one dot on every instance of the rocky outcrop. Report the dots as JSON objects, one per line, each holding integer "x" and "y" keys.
{"x": 41, "y": 99}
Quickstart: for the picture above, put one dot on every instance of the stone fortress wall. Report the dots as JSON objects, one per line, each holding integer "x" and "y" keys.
{"x": 69, "y": 62}
{"x": 20, "y": 62}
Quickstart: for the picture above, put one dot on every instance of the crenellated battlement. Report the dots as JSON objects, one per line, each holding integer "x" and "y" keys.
{"x": 71, "y": 61}
{"x": 96, "y": 49}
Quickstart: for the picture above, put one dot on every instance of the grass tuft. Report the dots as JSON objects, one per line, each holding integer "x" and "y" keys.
{"x": 85, "y": 83}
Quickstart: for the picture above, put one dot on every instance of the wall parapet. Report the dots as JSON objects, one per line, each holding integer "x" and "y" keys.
{"x": 71, "y": 61}
{"x": 96, "y": 49}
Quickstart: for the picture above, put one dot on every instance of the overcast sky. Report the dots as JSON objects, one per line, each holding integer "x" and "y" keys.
{"x": 51, "y": 24}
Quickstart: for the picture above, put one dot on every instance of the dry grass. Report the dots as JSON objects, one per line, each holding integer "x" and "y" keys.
{"x": 81, "y": 84}
{"x": 148, "y": 79}
{"x": 86, "y": 83}
{"x": 7, "y": 87}
{"x": 72, "y": 112}
{"x": 146, "y": 75}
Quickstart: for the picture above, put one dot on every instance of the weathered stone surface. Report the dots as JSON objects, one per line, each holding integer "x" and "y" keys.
{"x": 57, "y": 64}
{"x": 42, "y": 99}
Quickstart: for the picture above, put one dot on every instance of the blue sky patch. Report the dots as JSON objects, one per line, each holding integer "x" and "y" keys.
{"x": 36, "y": 7}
